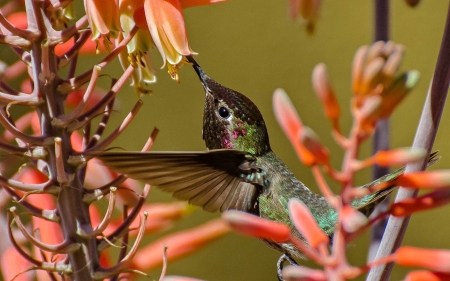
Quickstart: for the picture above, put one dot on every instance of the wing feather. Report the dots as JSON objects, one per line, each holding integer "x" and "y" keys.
{"x": 217, "y": 179}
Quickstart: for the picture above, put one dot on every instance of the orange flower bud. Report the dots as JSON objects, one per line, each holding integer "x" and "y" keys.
{"x": 372, "y": 75}
{"x": 358, "y": 66}
{"x": 429, "y": 179}
{"x": 312, "y": 144}
{"x": 306, "y": 224}
{"x": 291, "y": 124}
{"x": 178, "y": 244}
{"x": 436, "y": 260}
{"x": 307, "y": 10}
{"x": 325, "y": 92}
{"x": 252, "y": 225}
{"x": 370, "y": 113}
{"x": 398, "y": 91}
{"x": 425, "y": 202}
{"x": 425, "y": 275}
{"x": 399, "y": 156}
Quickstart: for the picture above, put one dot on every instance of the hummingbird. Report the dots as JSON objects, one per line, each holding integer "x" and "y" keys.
{"x": 238, "y": 171}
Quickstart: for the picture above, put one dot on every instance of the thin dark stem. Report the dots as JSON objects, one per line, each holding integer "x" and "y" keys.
{"x": 381, "y": 136}
{"x": 425, "y": 136}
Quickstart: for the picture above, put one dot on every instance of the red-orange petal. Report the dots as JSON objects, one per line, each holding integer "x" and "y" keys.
{"x": 425, "y": 202}
{"x": 425, "y": 275}
{"x": 425, "y": 179}
{"x": 291, "y": 124}
{"x": 311, "y": 142}
{"x": 325, "y": 91}
{"x": 399, "y": 156}
{"x": 306, "y": 224}
{"x": 19, "y": 20}
{"x": 255, "y": 226}
{"x": 12, "y": 264}
{"x": 139, "y": 18}
{"x": 435, "y": 260}
{"x": 179, "y": 244}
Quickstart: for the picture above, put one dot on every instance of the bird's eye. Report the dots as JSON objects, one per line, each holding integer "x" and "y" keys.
{"x": 223, "y": 112}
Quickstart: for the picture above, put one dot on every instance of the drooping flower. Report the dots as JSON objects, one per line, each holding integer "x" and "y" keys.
{"x": 137, "y": 53}
{"x": 307, "y": 11}
{"x": 103, "y": 17}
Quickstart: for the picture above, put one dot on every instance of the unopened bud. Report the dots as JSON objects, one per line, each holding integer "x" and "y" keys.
{"x": 311, "y": 142}
{"x": 325, "y": 92}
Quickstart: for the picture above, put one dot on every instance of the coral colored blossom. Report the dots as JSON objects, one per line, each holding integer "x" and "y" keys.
{"x": 306, "y": 224}
{"x": 103, "y": 16}
{"x": 425, "y": 179}
{"x": 435, "y": 260}
{"x": 425, "y": 275}
{"x": 255, "y": 226}
{"x": 291, "y": 124}
{"x": 409, "y": 206}
{"x": 178, "y": 244}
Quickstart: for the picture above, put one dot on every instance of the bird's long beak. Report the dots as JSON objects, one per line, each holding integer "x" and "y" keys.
{"x": 201, "y": 74}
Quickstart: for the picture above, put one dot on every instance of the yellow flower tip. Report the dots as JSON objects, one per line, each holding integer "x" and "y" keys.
{"x": 173, "y": 71}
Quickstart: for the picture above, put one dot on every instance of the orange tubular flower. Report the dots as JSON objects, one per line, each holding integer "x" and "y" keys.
{"x": 103, "y": 18}
{"x": 166, "y": 25}
{"x": 138, "y": 49}
{"x": 161, "y": 24}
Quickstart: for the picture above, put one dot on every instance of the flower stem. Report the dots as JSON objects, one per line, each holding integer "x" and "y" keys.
{"x": 425, "y": 135}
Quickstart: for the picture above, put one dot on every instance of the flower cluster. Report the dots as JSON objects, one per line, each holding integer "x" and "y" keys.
{"x": 68, "y": 216}
{"x": 378, "y": 87}
{"x": 150, "y": 23}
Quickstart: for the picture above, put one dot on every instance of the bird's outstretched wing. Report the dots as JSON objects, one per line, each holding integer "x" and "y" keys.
{"x": 216, "y": 179}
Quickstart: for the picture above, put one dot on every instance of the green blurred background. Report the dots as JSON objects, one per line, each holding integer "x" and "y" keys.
{"x": 253, "y": 47}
